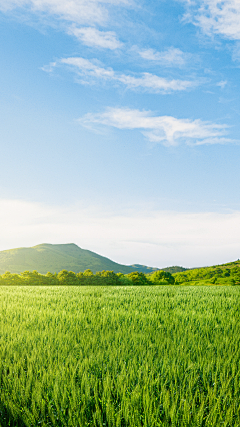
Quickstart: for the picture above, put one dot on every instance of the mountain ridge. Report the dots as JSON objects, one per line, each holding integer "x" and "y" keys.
{"x": 66, "y": 256}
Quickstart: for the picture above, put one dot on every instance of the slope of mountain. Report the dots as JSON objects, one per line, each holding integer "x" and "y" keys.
{"x": 222, "y": 274}
{"x": 54, "y": 258}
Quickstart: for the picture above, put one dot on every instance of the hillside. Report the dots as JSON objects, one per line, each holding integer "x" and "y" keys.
{"x": 223, "y": 274}
{"x": 54, "y": 258}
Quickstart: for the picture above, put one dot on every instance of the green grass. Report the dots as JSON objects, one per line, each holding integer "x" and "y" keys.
{"x": 123, "y": 356}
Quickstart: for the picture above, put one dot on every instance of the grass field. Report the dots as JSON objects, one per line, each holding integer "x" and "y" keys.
{"x": 124, "y": 356}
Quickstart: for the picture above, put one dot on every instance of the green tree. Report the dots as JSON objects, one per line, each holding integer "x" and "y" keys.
{"x": 88, "y": 273}
{"x": 32, "y": 278}
{"x": 50, "y": 279}
{"x": 10, "y": 278}
{"x": 226, "y": 272}
{"x": 138, "y": 278}
{"x": 161, "y": 277}
{"x": 109, "y": 278}
{"x": 123, "y": 279}
{"x": 67, "y": 278}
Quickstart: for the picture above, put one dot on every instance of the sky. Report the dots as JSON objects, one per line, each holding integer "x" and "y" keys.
{"x": 120, "y": 128}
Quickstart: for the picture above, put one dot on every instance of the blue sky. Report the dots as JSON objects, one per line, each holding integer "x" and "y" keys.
{"x": 120, "y": 128}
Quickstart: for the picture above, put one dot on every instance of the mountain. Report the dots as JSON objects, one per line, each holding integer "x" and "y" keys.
{"x": 175, "y": 269}
{"x": 54, "y": 258}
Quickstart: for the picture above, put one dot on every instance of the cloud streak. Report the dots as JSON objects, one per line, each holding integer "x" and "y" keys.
{"x": 92, "y": 72}
{"x": 76, "y": 11}
{"x": 90, "y": 36}
{"x": 171, "y": 57}
{"x": 216, "y": 17}
{"x": 167, "y": 130}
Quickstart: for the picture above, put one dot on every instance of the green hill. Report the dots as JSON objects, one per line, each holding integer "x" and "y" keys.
{"x": 223, "y": 274}
{"x": 146, "y": 270}
{"x": 54, "y": 258}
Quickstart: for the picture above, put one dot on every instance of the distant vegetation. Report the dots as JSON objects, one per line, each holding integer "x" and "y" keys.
{"x": 174, "y": 269}
{"x": 68, "y": 264}
{"x": 146, "y": 270}
{"x": 120, "y": 357}
{"x": 103, "y": 278}
{"x": 225, "y": 274}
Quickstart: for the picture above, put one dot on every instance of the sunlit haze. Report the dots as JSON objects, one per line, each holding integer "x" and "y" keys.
{"x": 120, "y": 128}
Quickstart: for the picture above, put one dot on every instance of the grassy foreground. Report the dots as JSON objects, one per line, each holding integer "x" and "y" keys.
{"x": 120, "y": 356}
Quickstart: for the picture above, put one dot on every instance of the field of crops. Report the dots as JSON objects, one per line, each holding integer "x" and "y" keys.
{"x": 120, "y": 356}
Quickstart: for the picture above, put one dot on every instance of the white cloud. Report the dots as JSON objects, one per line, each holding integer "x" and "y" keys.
{"x": 88, "y": 68}
{"x": 77, "y": 11}
{"x": 159, "y": 238}
{"x": 222, "y": 84}
{"x": 90, "y": 36}
{"x": 92, "y": 70}
{"x": 172, "y": 57}
{"x": 164, "y": 129}
{"x": 151, "y": 81}
{"x": 216, "y": 17}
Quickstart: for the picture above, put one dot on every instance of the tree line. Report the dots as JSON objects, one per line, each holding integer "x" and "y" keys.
{"x": 86, "y": 278}
{"x": 216, "y": 275}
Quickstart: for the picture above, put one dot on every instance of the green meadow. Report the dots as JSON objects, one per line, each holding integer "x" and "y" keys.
{"x": 120, "y": 356}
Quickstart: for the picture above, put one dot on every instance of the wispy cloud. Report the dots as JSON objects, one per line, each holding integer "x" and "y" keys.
{"x": 157, "y": 238}
{"x": 87, "y": 68}
{"x": 160, "y": 129}
{"x": 171, "y": 57}
{"x": 91, "y": 72}
{"x": 216, "y": 17}
{"x": 222, "y": 84}
{"x": 76, "y": 11}
{"x": 90, "y": 36}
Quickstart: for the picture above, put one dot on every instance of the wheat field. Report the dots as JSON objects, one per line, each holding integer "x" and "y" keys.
{"x": 120, "y": 356}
